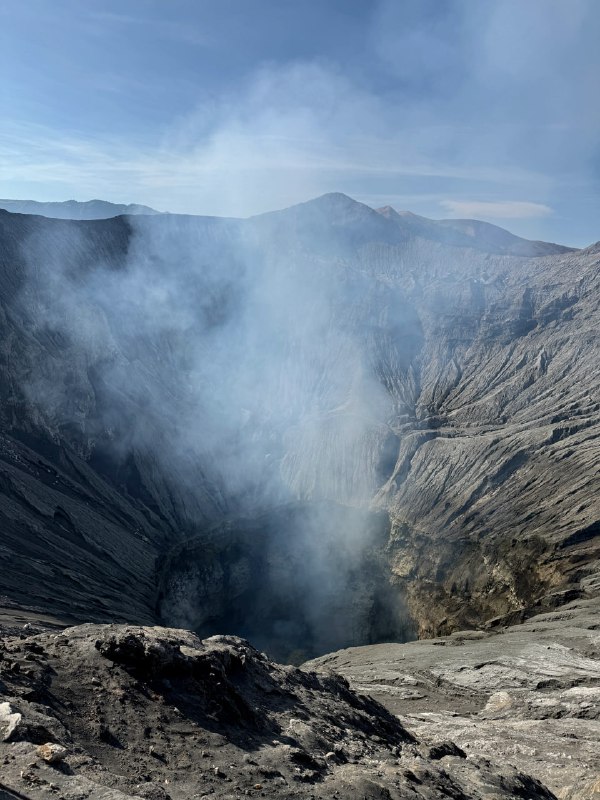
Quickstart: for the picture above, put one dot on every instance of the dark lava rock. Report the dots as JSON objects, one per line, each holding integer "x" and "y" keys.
{"x": 446, "y": 749}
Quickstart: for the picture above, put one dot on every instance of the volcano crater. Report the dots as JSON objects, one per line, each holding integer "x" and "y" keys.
{"x": 297, "y": 581}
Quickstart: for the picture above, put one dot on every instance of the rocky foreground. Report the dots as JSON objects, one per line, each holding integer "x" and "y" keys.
{"x": 527, "y": 695}
{"x": 113, "y": 711}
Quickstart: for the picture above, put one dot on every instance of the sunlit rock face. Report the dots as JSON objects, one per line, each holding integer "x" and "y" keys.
{"x": 527, "y": 693}
{"x": 160, "y": 375}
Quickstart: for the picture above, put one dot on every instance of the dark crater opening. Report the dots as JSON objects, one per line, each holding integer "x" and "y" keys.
{"x": 296, "y": 581}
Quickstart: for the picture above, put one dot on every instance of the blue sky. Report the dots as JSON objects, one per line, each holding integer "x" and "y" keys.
{"x": 465, "y": 108}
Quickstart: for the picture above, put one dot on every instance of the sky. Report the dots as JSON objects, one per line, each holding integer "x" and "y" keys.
{"x": 448, "y": 108}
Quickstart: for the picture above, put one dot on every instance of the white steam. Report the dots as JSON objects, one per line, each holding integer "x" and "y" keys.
{"x": 235, "y": 356}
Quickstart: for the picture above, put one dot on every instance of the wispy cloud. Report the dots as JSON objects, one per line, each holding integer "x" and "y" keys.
{"x": 164, "y": 28}
{"x": 284, "y": 136}
{"x": 505, "y": 209}
{"x": 471, "y": 105}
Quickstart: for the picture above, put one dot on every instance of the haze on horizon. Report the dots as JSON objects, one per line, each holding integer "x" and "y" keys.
{"x": 454, "y": 109}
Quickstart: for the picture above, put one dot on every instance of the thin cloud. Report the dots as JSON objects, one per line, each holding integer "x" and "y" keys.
{"x": 284, "y": 136}
{"x": 505, "y": 209}
{"x": 166, "y": 28}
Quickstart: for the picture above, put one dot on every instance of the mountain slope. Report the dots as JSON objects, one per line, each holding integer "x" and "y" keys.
{"x": 211, "y": 371}
{"x": 470, "y": 233}
{"x": 527, "y": 693}
{"x": 212, "y": 718}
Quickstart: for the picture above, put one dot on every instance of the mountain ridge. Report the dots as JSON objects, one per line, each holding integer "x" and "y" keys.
{"x": 470, "y": 233}
{"x": 319, "y": 431}
{"x": 74, "y": 209}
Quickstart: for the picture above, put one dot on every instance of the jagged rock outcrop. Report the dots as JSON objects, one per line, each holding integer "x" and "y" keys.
{"x": 157, "y": 713}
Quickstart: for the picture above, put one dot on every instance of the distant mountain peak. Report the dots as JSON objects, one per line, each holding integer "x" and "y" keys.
{"x": 338, "y": 197}
{"x": 336, "y": 200}
{"x": 331, "y": 209}
{"x": 387, "y": 211}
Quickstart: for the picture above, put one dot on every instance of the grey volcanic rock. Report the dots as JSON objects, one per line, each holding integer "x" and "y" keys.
{"x": 497, "y": 466}
{"x": 528, "y": 695}
{"x": 74, "y": 209}
{"x": 157, "y": 713}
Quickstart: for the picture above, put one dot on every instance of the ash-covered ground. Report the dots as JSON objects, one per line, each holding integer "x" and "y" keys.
{"x": 113, "y": 712}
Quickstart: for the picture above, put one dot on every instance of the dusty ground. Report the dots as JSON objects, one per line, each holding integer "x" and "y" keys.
{"x": 527, "y": 695}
